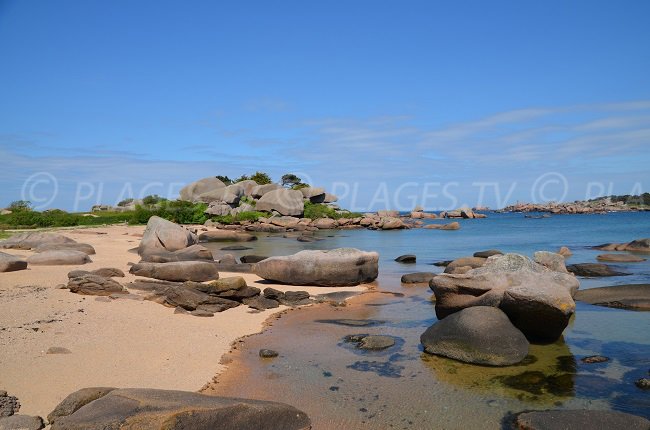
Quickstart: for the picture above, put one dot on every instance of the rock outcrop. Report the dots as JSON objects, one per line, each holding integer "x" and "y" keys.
{"x": 537, "y": 300}
{"x": 193, "y": 191}
{"x": 58, "y": 258}
{"x": 633, "y": 297}
{"x": 11, "y": 263}
{"x": 593, "y": 270}
{"x": 337, "y": 267}
{"x": 162, "y": 235}
{"x": 34, "y": 239}
{"x": 285, "y": 202}
{"x": 197, "y": 271}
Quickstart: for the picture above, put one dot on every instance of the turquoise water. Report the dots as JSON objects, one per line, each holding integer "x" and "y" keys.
{"x": 402, "y": 387}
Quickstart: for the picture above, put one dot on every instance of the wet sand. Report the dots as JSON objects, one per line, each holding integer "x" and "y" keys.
{"x": 119, "y": 343}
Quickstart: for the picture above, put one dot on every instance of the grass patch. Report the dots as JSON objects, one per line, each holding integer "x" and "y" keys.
{"x": 242, "y": 216}
{"x": 319, "y": 210}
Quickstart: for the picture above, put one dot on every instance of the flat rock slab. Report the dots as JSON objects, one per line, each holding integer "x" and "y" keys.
{"x": 593, "y": 270}
{"x": 191, "y": 253}
{"x": 59, "y": 258}
{"x": 337, "y": 267}
{"x": 185, "y": 295}
{"x": 94, "y": 285}
{"x": 620, "y": 258}
{"x": 11, "y": 263}
{"x": 149, "y": 409}
{"x": 478, "y": 335}
{"x": 197, "y": 271}
{"x": 633, "y": 297}
{"x": 579, "y": 420}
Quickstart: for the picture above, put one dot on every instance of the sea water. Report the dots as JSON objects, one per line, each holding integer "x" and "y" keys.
{"x": 340, "y": 386}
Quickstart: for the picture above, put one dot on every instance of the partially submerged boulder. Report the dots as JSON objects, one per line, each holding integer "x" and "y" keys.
{"x": 162, "y": 235}
{"x": 150, "y": 409}
{"x": 633, "y": 297}
{"x": 537, "y": 300}
{"x": 337, "y": 267}
{"x": 417, "y": 277}
{"x": 58, "y": 258}
{"x": 478, "y": 335}
{"x": 620, "y": 258}
{"x": 197, "y": 271}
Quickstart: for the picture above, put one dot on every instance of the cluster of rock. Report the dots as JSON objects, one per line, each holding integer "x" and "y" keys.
{"x": 129, "y": 205}
{"x": 639, "y": 245}
{"x": 50, "y": 249}
{"x": 100, "y": 408}
{"x": 518, "y": 299}
{"x": 578, "y": 207}
{"x": 246, "y": 196}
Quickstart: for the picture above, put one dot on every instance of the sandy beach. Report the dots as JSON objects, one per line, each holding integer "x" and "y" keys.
{"x": 119, "y": 343}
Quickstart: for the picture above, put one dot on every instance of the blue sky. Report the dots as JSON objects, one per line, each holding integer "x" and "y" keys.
{"x": 390, "y": 104}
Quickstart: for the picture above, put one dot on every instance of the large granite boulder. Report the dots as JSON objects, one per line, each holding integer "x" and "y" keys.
{"x": 537, "y": 300}
{"x": 33, "y": 239}
{"x": 197, "y": 271}
{"x": 593, "y": 270}
{"x": 218, "y": 208}
{"x": 76, "y": 400}
{"x": 581, "y": 419}
{"x": 479, "y": 335}
{"x": 149, "y": 409}
{"x": 218, "y": 195}
{"x": 634, "y": 297}
{"x": 192, "y": 191}
{"x": 11, "y": 263}
{"x": 58, "y": 258}
{"x": 639, "y": 245}
{"x": 162, "y": 235}
{"x": 83, "y": 247}
{"x": 285, "y": 202}
{"x": 94, "y": 285}
{"x": 191, "y": 253}
{"x": 337, "y": 267}
{"x": 259, "y": 190}
{"x": 464, "y": 264}
{"x": 314, "y": 194}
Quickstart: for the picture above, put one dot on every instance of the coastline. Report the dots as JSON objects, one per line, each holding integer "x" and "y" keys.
{"x": 120, "y": 343}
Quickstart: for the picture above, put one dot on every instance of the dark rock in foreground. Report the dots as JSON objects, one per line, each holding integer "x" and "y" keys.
{"x": 579, "y": 420}
{"x": 479, "y": 335}
{"x": 175, "y": 294}
{"x": 149, "y": 409}
{"x": 252, "y": 258}
{"x": 417, "y": 277}
{"x": 406, "y": 259}
{"x": 593, "y": 270}
{"x": 76, "y": 400}
{"x": 94, "y": 285}
{"x": 9, "y": 405}
{"x": 634, "y": 297}
{"x": 337, "y": 267}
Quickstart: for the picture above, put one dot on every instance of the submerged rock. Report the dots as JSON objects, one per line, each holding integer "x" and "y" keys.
{"x": 337, "y": 267}
{"x": 620, "y": 258}
{"x": 417, "y": 277}
{"x": 479, "y": 335}
{"x": 579, "y": 420}
{"x": 407, "y": 258}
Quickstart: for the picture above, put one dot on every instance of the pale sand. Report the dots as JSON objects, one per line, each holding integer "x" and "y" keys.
{"x": 121, "y": 343}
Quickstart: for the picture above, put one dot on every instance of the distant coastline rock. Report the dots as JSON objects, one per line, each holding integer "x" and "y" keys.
{"x": 620, "y": 258}
{"x": 593, "y": 270}
{"x": 639, "y": 245}
{"x": 337, "y": 267}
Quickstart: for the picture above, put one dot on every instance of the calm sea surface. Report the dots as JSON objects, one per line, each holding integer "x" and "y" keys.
{"x": 401, "y": 387}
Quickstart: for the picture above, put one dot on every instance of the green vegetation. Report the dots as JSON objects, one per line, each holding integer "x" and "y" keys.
{"x": 319, "y": 210}
{"x": 225, "y": 179}
{"x": 242, "y": 216}
{"x": 125, "y": 202}
{"x": 20, "y": 205}
{"x": 260, "y": 177}
{"x": 59, "y": 218}
{"x": 152, "y": 199}
{"x": 173, "y": 210}
{"x": 631, "y": 200}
